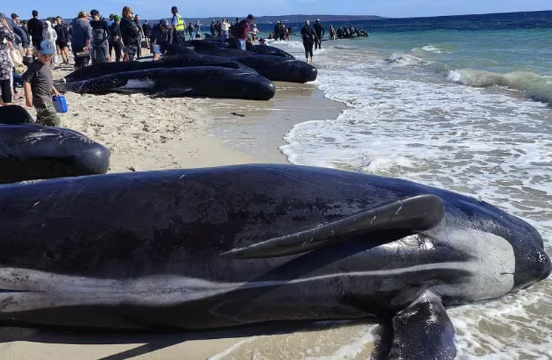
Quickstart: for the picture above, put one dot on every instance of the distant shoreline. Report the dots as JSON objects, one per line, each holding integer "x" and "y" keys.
{"x": 300, "y": 18}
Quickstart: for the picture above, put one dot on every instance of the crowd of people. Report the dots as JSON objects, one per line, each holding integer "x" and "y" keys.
{"x": 38, "y": 45}
{"x": 29, "y": 49}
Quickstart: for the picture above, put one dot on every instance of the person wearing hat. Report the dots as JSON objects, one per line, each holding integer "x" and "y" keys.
{"x": 115, "y": 36}
{"x": 38, "y": 84}
{"x": 319, "y": 31}
{"x": 242, "y": 30}
{"x": 162, "y": 35}
{"x": 179, "y": 26}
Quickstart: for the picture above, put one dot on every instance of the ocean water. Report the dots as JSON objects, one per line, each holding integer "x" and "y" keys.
{"x": 461, "y": 103}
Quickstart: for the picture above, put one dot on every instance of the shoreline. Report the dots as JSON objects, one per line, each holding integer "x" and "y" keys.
{"x": 259, "y": 128}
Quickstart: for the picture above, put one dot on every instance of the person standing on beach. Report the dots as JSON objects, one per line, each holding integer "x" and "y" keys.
{"x": 131, "y": 34}
{"x": 34, "y": 27}
{"x": 179, "y": 27}
{"x": 319, "y": 31}
{"x": 6, "y": 37}
{"x": 190, "y": 30}
{"x": 81, "y": 38}
{"x": 198, "y": 29}
{"x": 100, "y": 38}
{"x": 225, "y": 29}
{"x": 308, "y": 36}
{"x": 39, "y": 85}
{"x": 116, "y": 38}
{"x": 141, "y": 35}
{"x": 242, "y": 30}
{"x": 146, "y": 30}
{"x": 49, "y": 33}
{"x": 62, "y": 41}
{"x": 22, "y": 37}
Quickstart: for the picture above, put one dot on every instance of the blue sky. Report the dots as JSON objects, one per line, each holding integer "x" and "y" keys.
{"x": 191, "y": 9}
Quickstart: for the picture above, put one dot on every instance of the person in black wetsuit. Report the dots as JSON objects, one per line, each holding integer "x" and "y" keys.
{"x": 131, "y": 34}
{"x": 100, "y": 36}
{"x": 116, "y": 38}
{"x": 308, "y": 35}
{"x": 276, "y": 30}
{"x": 319, "y": 30}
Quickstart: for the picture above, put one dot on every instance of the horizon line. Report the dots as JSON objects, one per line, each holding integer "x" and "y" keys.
{"x": 362, "y": 15}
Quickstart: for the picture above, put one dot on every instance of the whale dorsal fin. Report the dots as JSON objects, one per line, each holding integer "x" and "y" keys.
{"x": 411, "y": 215}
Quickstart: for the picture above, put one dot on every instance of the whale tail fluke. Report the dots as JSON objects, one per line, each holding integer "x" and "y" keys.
{"x": 399, "y": 219}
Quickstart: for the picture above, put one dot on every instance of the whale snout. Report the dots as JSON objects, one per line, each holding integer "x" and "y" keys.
{"x": 532, "y": 269}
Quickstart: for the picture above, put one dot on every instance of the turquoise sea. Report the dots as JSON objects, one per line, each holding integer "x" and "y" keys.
{"x": 463, "y": 103}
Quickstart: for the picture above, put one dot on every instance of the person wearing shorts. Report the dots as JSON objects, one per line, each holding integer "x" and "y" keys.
{"x": 62, "y": 41}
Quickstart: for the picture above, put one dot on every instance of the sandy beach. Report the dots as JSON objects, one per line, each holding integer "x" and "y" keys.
{"x": 151, "y": 134}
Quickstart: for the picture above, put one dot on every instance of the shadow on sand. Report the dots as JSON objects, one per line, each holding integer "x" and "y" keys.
{"x": 157, "y": 341}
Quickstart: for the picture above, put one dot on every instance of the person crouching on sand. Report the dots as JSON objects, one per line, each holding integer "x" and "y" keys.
{"x": 39, "y": 85}
{"x": 162, "y": 35}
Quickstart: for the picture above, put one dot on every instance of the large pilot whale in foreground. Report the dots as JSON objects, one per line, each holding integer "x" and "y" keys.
{"x": 228, "y": 246}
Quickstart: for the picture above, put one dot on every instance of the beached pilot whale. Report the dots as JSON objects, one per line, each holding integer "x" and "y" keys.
{"x": 203, "y": 81}
{"x": 29, "y": 151}
{"x": 228, "y": 246}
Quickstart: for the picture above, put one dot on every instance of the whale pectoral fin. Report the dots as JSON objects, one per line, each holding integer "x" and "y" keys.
{"x": 423, "y": 331}
{"x": 396, "y": 220}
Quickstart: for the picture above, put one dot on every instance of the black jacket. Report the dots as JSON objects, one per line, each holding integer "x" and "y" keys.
{"x": 62, "y": 33}
{"x": 115, "y": 30}
{"x": 319, "y": 29}
{"x": 146, "y": 28}
{"x": 130, "y": 32}
{"x": 35, "y": 27}
{"x": 307, "y": 33}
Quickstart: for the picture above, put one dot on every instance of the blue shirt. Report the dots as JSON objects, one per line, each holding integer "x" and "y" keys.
{"x": 174, "y": 21}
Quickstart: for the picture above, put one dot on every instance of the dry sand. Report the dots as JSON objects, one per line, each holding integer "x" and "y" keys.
{"x": 147, "y": 134}
{"x": 144, "y": 133}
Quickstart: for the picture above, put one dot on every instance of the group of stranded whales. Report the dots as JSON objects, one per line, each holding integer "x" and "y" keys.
{"x": 221, "y": 247}
{"x": 210, "y": 70}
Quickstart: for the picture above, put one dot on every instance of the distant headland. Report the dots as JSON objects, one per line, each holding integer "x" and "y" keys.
{"x": 301, "y": 17}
